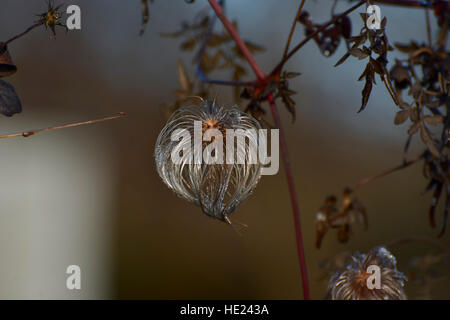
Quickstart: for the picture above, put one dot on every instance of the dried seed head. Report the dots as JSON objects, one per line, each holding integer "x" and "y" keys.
{"x": 7, "y": 67}
{"x": 218, "y": 188}
{"x": 52, "y": 17}
{"x": 352, "y": 283}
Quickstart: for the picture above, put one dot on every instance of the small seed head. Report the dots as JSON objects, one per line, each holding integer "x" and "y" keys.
{"x": 218, "y": 189}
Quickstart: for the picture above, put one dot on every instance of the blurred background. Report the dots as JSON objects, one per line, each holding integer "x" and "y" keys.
{"x": 91, "y": 195}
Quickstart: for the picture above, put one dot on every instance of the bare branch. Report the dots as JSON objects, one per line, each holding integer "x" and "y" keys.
{"x": 27, "y": 134}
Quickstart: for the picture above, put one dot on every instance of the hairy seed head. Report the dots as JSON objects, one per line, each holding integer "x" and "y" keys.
{"x": 352, "y": 283}
{"x": 217, "y": 188}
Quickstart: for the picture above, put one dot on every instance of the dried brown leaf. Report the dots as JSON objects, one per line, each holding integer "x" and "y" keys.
{"x": 7, "y": 67}
{"x": 424, "y": 135}
{"x": 9, "y": 100}
{"x": 360, "y": 54}
{"x": 401, "y": 116}
{"x": 407, "y": 48}
{"x": 183, "y": 77}
{"x": 342, "y": 60}
{"x": 145, "y": 15}
{"x": 188, "y": 45}
{"x": 434, "y": 120}
{"x": 366, "y": 93}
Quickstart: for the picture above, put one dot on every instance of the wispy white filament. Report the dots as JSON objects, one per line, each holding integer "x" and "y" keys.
{"x": 217, "y": 188}
{"x": 351, "y": 283}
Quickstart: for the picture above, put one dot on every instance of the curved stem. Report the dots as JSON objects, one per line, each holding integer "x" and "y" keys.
{"x": 261, "y": 76}
{"x": 37, "y": 24}
{"x": 27, "y": 134}
{"x": 201, "y": 75}
{"x": 239, "y": 42}
{"x": 291, "y": 33}
{"x": 293, "y": 196}
{"x": 406, "y": 164}
{"x": 312, "y": 35}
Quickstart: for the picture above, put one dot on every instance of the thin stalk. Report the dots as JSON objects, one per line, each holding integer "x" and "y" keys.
{"x": 27, "y": 134}
{"x": 293, "y": 196}
{"x": 311, "y": 36}
{"x": 261, "y": 76}
{"x": 200, "y": 74}
{"x": 427, "y": 19}
{"x": 424, "y": 239}
{"x": 239, "y": 42}
{"x": 386, "y": 172}
{"x": 410, "y": 3}
{"x": 294, "y": 24}
{"x": 37, "y": 24}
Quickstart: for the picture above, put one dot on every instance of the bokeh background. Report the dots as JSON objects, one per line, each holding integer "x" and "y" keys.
{"x": 91, "y": 196}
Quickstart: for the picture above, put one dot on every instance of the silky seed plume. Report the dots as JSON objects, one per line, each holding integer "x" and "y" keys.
{"x": 217, "y": 188}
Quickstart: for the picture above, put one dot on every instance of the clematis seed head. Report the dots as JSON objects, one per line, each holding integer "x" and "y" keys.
{"x": 217, "y": 188}
{"x": 353, "y": 283}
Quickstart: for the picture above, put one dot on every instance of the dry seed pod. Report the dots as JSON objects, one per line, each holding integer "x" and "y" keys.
{"x": 217, "y": 188}
{"x": 352, "y": 283}
{"x": 7, "y": 67}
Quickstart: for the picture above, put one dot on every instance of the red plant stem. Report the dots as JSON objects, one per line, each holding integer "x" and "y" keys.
{"x": 239, "y": 42}
{"x": 406, "y": 164}
{"x": 200, "y": 74}
{"x": 261, "y": 77}
{"x": 293, "y": 195}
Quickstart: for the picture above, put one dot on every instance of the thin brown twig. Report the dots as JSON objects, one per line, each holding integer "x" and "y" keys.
{"x": 406, "y": 164}
{"x": 311, "y": 36}
{"x": 427, "y": 18}
{"x": 37, "y": 24}
{"x": 294, "y": 24}
{"x": 27, "y": 134}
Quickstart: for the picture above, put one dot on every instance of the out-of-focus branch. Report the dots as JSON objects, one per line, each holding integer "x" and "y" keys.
{"x": 27, "y": 134}
{"x": 386, "y": 172}
{"x": 200, "y": 74}
{"x": 291, "y": 32}
{"x": 424, "y": 239}
{"x": 311, "y": 36}
{"x": 237, "y": 39}
{"x": 37, "y": 24}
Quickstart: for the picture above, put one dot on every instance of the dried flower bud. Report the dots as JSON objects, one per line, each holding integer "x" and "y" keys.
{"x": 218, "y": 188}
{"x": 52, "y": 18}
{"x": 7, "y": 67}
{"x": 359, "y": 280}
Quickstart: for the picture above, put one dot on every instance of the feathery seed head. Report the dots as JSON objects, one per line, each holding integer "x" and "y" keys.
{"x": 217, "y": 187}
{"x": 355, "y": 282}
